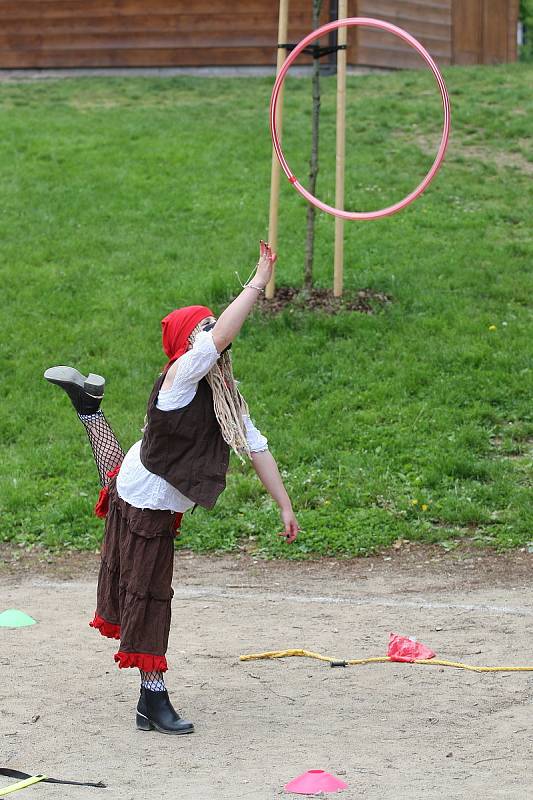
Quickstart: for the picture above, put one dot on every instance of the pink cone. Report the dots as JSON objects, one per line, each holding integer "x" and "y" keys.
{"x": 402, "y": 648}
{"x": 315, "y": 781}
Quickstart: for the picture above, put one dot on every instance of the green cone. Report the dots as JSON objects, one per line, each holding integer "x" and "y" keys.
{"x": 13, "y": 618}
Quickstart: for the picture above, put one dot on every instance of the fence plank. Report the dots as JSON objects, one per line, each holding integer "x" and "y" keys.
{"x": 218, "y": 56}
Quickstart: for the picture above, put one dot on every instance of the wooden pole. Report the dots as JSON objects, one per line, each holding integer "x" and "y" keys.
{"x": 283, "y": 24}
{"x": 338, "y": 277}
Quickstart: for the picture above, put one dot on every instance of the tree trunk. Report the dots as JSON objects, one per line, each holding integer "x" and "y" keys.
{"x": 313, "y": 162}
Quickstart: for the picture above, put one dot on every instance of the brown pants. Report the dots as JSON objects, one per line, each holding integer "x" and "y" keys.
{"x": 134, "y": 584}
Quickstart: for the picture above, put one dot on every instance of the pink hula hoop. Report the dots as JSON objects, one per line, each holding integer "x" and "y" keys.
{"x": 371, "y": 23}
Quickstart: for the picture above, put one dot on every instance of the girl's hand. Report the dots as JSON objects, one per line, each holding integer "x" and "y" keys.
{"x": 265, "y": 264}
{"x": 291, "y": 525}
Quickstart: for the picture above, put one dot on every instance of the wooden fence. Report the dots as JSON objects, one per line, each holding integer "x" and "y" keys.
{"x": 159, "y": 33}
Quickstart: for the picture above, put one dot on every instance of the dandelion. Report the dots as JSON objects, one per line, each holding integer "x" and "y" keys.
{"x": 414, "y": 502}
{"x": 492, "y": 327}
{"x": 424, "y": 507}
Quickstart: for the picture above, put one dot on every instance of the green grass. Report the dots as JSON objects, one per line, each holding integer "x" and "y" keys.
{"x": 124, "y": 198}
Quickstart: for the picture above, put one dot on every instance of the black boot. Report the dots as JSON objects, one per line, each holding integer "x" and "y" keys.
{"x": 85, "y": 392}
{"x": 154, "y": 710}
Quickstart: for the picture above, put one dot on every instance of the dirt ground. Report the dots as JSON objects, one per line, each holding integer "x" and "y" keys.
{"x": 389, "y": 730}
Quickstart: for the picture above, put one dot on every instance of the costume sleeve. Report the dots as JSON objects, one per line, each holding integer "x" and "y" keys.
{"x": 192, "y": 367}
{"x": 256, "y": 441}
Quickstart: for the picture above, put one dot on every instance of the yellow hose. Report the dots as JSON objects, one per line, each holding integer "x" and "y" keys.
{"x": 21, "y": 785}
{"x": 437, "y": 662}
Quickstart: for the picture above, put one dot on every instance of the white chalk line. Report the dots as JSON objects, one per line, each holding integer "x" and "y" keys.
{"x": 221, "y": 592}
{"x": 185, "y": 593}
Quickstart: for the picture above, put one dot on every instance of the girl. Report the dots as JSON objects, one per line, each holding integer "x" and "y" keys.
{"x": 195, "y": 416}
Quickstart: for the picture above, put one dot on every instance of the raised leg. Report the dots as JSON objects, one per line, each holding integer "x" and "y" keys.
{"x": 86, "y": 394}
{"x": 107, "y": 452}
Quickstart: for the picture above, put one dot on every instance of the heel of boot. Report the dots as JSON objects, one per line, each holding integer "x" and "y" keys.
{"x": 143, "y": 723}
{"x": 94, "y": 384}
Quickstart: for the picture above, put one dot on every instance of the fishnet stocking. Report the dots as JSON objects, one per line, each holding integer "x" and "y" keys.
{"x": 153, "y": 681}
{"x": 108, "y": 454}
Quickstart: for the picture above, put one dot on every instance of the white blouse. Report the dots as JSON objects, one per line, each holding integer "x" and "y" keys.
{"x": 141, "y": 488}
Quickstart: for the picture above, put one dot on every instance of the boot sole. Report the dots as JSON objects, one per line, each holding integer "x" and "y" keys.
{"x": 145, "y": 724}
{"x": 61, "y": 376}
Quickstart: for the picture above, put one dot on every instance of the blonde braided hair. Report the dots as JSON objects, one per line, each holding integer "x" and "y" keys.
{"x": 228, "y": 402}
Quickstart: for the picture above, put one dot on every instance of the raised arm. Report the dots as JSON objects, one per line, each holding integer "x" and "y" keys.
{"x": 231, "y": 320}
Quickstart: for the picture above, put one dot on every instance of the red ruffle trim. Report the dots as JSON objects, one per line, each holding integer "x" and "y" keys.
{"x": 144, "y": 661}
{"x": 105, "y": 628}
{"x": 177, "y": 523}
{"x": 102, "y": 504}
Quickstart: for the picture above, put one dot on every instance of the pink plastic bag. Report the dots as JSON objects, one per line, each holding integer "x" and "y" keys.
{"x": 402, "y": 648}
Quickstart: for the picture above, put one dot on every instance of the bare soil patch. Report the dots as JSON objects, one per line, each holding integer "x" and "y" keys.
{"x": 489, "y": 155}
{"x": 490, "y": 567}
{"x": 389, "y": 730}
{"x": 363, "y": 301}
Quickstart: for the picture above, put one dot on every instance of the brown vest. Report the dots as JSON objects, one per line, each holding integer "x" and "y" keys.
{"x": 185, "y": 446}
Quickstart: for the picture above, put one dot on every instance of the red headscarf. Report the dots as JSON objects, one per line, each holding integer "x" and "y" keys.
{"x": 178, "y": 326}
